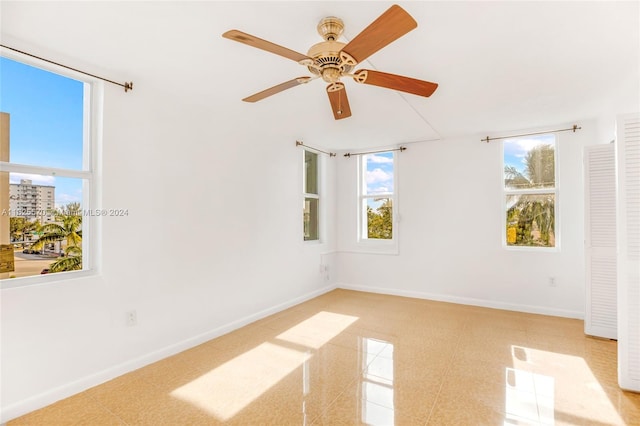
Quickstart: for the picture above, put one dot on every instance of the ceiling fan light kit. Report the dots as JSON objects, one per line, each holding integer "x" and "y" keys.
{"x": 331, "y": 59}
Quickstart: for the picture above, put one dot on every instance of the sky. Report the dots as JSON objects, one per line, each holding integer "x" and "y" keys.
{"x": 46, "y": 124}
{"x": 378, "y": 176}
{"x": 516, "y": 149}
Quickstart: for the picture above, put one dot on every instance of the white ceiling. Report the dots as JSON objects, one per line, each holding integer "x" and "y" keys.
{"x": 500, "y": 66}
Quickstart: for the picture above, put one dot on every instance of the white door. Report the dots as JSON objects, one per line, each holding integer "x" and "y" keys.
{"x": 628, "y": 220}
{"x": 601, "y": 308}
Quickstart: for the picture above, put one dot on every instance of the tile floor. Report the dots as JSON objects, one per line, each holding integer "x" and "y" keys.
{"x": 348, "y": 358}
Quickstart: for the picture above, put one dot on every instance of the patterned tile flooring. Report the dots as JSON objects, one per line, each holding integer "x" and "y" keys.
{"x": 352, "y": 358}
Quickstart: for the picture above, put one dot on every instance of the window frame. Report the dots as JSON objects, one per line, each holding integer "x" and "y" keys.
{"x": 376, "y": 245}
{"x": 307, "y": 195}
{"x": 93, "y": 94}
{"x": 532, "y": 191}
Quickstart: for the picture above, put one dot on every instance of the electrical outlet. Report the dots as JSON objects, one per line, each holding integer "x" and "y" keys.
{"x": 131, "y": 318}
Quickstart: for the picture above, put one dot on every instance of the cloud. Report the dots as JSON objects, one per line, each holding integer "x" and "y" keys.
{"x": 35, "y": 179}
{"x": 379, "y": 159}
{"x": 378, "y": 176}
{"x": 379, "y": 181}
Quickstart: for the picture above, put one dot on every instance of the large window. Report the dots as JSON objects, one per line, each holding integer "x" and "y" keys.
{"x": 530, "y": 191}
{"x": 311, "y": 196}
{"x": 376, "y": 196}
{"x": 45, "y": 171}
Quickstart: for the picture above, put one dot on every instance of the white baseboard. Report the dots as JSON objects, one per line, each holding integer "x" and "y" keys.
{"x": 485, "y": 303}
{"x": 56, "y": 394}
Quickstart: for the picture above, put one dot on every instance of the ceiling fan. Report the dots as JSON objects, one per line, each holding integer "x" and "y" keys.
{"x": 331, "y": 59}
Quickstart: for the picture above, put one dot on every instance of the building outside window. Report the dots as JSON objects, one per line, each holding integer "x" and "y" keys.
{"x": 311, "y": 193}
{"x": 32, "y": 201}
{"x": 46, "y": 170}
{"x": 530, "y": 191}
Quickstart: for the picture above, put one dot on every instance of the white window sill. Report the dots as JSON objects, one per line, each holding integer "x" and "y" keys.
{"x": 532, "y": 249}
{"x": 44, "y": 279}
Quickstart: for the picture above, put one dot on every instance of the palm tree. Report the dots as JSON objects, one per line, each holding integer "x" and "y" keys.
{"x": 540, "y": 166}
{"x": 67, "y": 227}
{"x": 513, "y": 179}
{"x": 20, "y": 227}
{"x": 71, "y": 262}
{"x": 533, "y": 219}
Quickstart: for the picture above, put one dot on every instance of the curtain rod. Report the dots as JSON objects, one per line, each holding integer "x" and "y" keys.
{"x": 349, "y": 154}
{"x": 127, "y": 85}
{"x": 330, "y": 154}
{"x": 574, "y": 128}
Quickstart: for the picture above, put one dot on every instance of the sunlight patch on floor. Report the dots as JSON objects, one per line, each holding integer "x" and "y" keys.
{"x": 377, "y": 383}
{"x": 529, "y": 398}
{"x": 229, "y": 388}
{"x": 318, "y": 330}
{"x": 536, "y": 398}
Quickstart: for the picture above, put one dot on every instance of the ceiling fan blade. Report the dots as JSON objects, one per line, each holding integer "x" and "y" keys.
{"x": 339, "y": 101}
{"x": 390, "y": 26}
{"x": 396, "y": 82}
{"x": 277, "y": 89}
{"x": 253, "y": 41}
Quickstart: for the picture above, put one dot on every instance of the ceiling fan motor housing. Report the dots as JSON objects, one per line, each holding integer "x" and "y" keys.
{"x": 326, "y": 54}
{"x": 326, "y": 58}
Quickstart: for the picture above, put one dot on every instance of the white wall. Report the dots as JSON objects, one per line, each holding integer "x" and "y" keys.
{"x": 213, "y": 240}
{"x": 450, "y": 199}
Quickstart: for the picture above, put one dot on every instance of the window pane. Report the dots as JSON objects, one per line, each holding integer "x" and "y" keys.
{"x": 531, "y": 220}
{"x": 378, "y": 173}
{"x": 529, "y": 162}
{"x": 45, "y": 223}
{"x": 46, "y": 115}
{"x": 379, "y": 218}
{"x": 310, "y": 219}
{"x": 310, "y": 172}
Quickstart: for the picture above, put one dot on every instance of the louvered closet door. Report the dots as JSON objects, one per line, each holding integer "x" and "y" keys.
{"x": 600, "y": 241}
{"x": 628, "y": 219}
